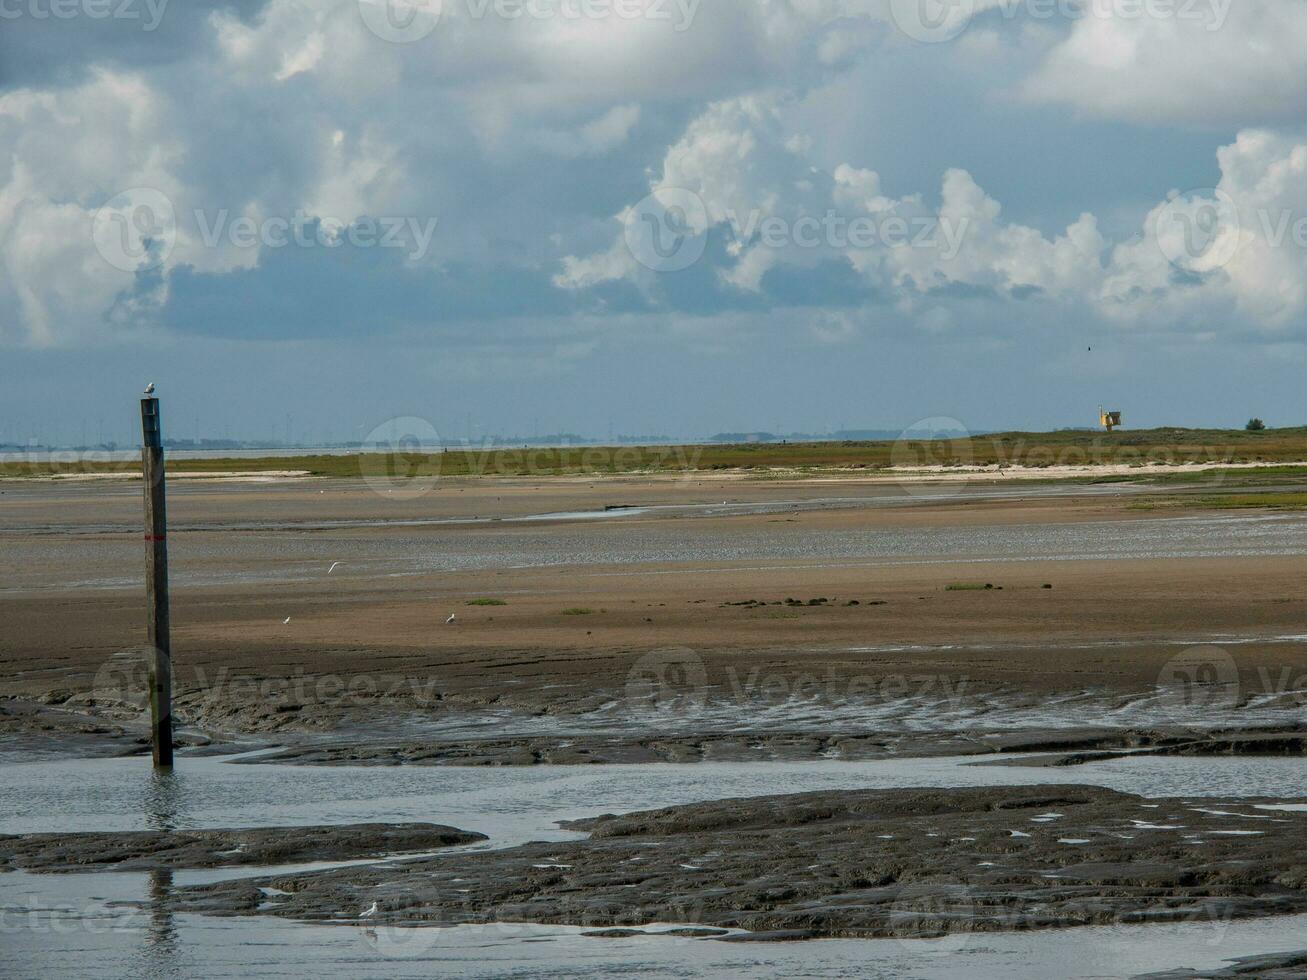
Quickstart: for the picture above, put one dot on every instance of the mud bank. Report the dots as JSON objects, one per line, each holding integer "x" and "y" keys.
{"x": 32, "y": 731}
{"x": 841, "y": 864}
{"x": 145, "y": 850}
{"x": 1274, "y": 966}
{"x": 1061, "y": 748}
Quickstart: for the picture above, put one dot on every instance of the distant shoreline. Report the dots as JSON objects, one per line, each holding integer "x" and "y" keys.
{"x": 1172, "y": 453}
{"x": 994, "y": 473}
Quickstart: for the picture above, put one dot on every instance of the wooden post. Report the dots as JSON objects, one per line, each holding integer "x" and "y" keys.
{"x": 156, "y": 585}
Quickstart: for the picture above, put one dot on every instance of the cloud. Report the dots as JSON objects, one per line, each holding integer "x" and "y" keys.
{"x": 511, "y": 131}
{"x": 1241, "y": 245}
{"x": 1211, "y": 62}
{"x": 533, "y": 142}
{"x": 37, "y": 48}
{"x": 759, "y": 189}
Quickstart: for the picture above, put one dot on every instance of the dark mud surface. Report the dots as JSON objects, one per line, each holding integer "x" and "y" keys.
{"x": 1274, "y": 966}
{"x": 30, "y": 731}
{"x": 145, "y": 850}
{"x": 598, "y": 749}
{"x": 851, "y": 864}
{"x": 1067, "y": 747}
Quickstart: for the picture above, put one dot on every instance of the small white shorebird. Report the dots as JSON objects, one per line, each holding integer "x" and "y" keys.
{"x": 334, "y": 566}
{"x": 371, "y": 912}
{"x": 452, "y": 617}
{"x": 285, "y": 621}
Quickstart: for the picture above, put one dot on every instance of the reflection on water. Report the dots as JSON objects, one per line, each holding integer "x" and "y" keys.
{"x": 210, "y": 948}
{"x": 159, "y": 953}
{"x": 163, "y": 796}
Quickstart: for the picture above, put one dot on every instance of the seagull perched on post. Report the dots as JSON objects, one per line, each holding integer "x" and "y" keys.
{"x": 149, "y": 389}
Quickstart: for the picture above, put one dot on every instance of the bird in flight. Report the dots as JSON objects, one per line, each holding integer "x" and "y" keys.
{"x": 333, "y": 567}
{"x": 149, "y": 389}
{"x": 452, "y": 617}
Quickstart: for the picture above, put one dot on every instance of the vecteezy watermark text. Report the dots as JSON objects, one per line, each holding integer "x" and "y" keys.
{"x": 839, "y": 231}
{"x": 679, "y": 13}
{"x": 668, "y": 230}
{"x": 138, "y": 229}
{"x": 1202, "y": 230}
{"x": 407, "y": 21}
{"x": 308, "y": 231}
{"x": 148, "y": 12}
{"x": 937, "y": 21}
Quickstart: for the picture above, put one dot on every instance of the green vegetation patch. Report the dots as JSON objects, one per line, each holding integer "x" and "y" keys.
{"x": 1240, "y": 501}
{"x": 1040, "y": 450}
{"x": 1228, "y": 501}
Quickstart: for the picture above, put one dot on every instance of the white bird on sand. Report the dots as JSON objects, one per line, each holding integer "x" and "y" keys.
{"x": 371, "y": 912}
{"x": 285, "y": 621}
{"x": 149, "y": 389}
{"x": 334, "y": 566}
{"x": 452, "y": 617}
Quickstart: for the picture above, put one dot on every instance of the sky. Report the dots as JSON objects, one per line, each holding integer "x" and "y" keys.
{"x": 680, "y": 217}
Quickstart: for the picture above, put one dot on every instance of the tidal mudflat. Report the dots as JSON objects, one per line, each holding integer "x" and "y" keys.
{"x": 620, "y": 646}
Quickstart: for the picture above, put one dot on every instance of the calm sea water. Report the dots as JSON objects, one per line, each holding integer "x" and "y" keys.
{"x": 71, "y": 926}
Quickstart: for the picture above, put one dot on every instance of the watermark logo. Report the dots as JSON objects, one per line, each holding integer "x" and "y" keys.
{"x": 396, "y": 942}
{"x": 1198, "y": 231}
{"x": 136, "y": 230}
{"x": 401, "y": 21}
{"x": 932, "y": 21}
{"x": 667, "y": 681}
{"x": 1197, "y": 683}
{"x": 402, "y": 457}
{"x": 122, "y": 684}
{"x": 931, "y": 446}
{"x": 938, "y": 911}
{"x": 668, "y": 230}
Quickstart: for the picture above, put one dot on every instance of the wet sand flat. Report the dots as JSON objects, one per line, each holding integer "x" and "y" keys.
{"x": 792, "y": 584}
